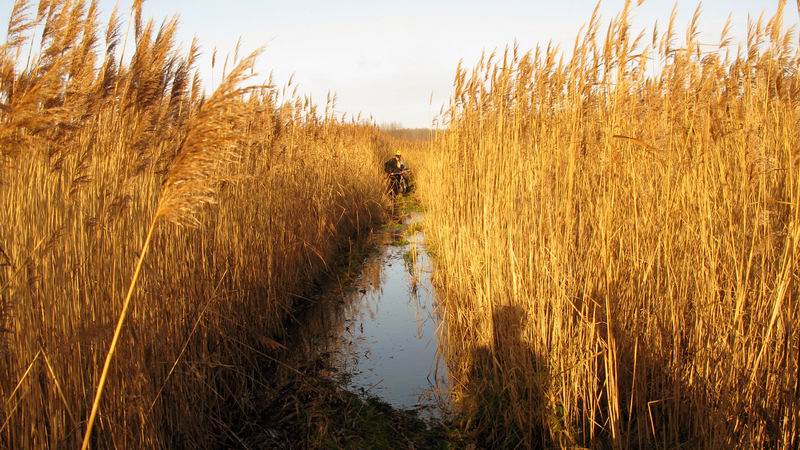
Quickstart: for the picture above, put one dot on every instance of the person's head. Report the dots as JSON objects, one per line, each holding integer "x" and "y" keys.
{"x": 397, "y": 155}
{"x": 509, "y": 321}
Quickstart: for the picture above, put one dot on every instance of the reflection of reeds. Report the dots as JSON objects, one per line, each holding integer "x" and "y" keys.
{"x": 94, "y": 149}
{"x": 412, "y": 266}
{"x": 636, "y": 201}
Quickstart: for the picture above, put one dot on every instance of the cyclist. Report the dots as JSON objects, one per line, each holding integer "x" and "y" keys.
{"x": 396, "y": 170}
{"x": 395, "y": 164}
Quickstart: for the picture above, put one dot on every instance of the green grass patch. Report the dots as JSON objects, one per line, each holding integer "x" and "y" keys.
{"x": 413, "y": 228}
{"x": 408, "y": 204}
{"x": 399, "y": 240}
{"x": 319, "y": 413}
{"x": 409, "y": 258}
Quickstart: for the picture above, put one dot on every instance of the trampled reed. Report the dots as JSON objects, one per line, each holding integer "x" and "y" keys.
{"x": 616, "y": 232}
{"x": 94, "y": 145}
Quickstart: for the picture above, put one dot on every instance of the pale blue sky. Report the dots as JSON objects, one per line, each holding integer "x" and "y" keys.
{"x": 386, "y": 58}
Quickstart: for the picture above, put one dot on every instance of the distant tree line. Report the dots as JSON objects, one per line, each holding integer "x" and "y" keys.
{"x": 411, "y": 134}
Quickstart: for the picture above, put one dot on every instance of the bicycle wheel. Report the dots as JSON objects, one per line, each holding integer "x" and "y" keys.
{"x": 392, "y": 187}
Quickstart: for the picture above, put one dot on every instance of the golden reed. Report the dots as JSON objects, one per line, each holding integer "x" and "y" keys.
{"x": 616, "y": 233}
{"x": 103, "y": 139}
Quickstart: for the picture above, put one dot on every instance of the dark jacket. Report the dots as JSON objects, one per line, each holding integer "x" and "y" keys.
{"x": 394, "y": 166}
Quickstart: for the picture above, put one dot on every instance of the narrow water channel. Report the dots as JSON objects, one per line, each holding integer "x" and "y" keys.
{"x": 378, "y": 334}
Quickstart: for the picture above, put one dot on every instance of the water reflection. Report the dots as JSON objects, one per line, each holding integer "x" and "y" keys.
{"x": 378, "y": 335}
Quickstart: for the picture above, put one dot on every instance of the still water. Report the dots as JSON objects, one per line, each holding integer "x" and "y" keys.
{"x": 378, "y": 334}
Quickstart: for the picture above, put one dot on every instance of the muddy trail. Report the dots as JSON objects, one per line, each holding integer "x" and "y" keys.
{"x": 359, "y": 365}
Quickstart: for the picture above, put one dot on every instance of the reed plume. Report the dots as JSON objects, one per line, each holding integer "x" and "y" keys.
{"x": 108, "y": 164}
{"x": 635, "y": 200}
{"x": 210, "y": 146}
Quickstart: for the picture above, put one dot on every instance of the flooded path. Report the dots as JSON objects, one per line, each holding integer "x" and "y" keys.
{"x": 389, "y": 347}
{"x": 377, "y": 333}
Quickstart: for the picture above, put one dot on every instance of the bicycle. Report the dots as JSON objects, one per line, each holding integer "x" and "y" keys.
{"x": 397, "y": 183}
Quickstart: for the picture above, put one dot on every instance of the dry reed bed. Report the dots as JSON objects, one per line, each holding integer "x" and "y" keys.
{"x": 617, "y": 235}
{"x": 88, "y": 145}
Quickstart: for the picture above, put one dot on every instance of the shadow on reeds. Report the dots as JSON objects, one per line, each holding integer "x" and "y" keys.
{"x": 657, "y": 406}
{"x": 497, "y": 378}
{"x": 664, "y": 401}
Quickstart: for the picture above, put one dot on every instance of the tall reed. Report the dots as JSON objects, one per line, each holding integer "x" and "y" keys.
{"x": 94, "y": 145}
{"x": 616, "y": 232}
